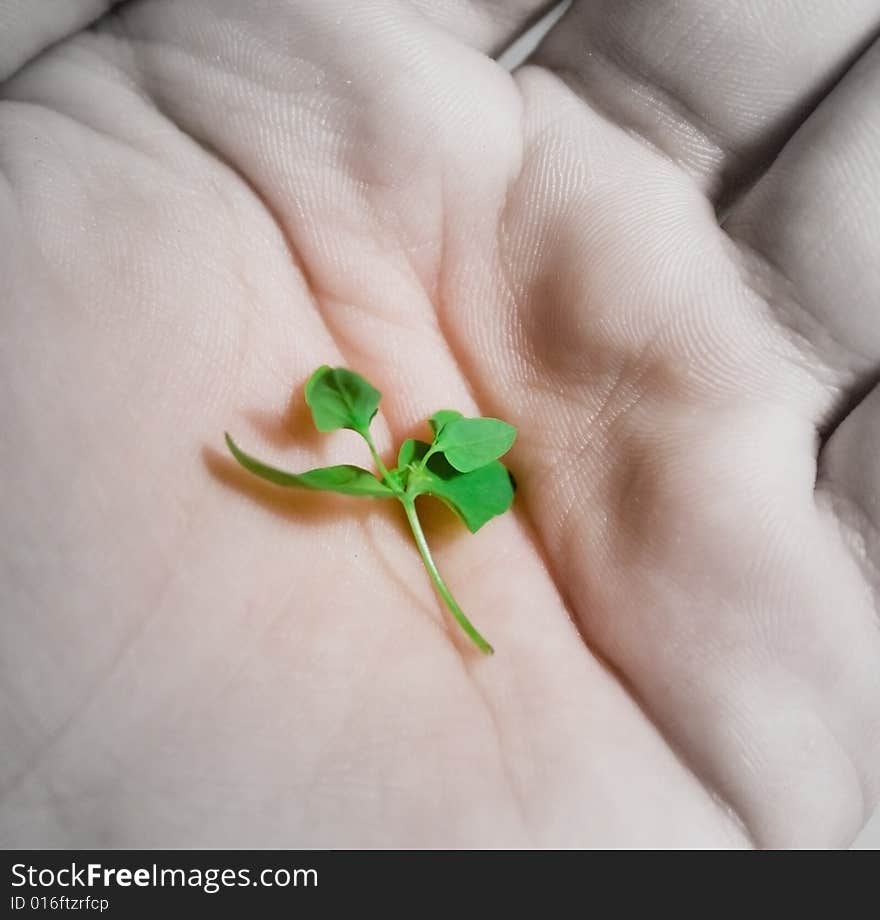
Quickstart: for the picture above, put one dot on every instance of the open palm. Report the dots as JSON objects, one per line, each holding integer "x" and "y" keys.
{"x": 203, "y": 201}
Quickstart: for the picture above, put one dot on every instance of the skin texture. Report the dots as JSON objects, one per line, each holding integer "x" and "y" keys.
{"x": 202, "y": 202}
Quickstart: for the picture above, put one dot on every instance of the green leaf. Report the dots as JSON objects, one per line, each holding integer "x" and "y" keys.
{"x": 340, "y": 398}
{"x": 476, "y": 496}
{"x": 469, "y": 443}
{"x": 410, "y": 452}
{"x": 347, "y": 479}
{"x": 441, "y": 418}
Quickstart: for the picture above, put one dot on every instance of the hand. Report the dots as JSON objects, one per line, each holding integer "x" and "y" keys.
{"x": 205, "y": 201}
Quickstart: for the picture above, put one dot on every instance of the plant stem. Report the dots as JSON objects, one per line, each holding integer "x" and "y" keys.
{"x": 380, "y": 466}
{"x": 430, "y": 453}
{"x": 439, "y": 584}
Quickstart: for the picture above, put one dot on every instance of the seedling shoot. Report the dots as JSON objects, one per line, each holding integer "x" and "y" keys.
{"x": 460, "y": 466}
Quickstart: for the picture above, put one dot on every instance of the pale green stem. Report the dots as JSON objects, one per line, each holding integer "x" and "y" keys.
{"x": 439, "y": 584}
{"x": 430, "y": 453}
{"x": 380, "y": 466}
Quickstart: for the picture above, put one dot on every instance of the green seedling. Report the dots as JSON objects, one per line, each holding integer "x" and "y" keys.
{"x": 460, "y": 466}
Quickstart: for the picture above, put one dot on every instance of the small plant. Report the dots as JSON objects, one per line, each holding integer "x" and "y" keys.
{"x": 460, "y": 466}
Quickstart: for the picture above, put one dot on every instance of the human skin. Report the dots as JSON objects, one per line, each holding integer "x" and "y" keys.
{"x": 204, "y": 201}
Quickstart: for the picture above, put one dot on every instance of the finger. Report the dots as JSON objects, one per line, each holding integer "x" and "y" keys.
{"x": 812, "y": 225}
{"x": 488, "y": 25}
{"x": 26, "y": 28}
{"x": 849, "y": 485}
{"x": 848, "y": 490}
{"x": 718, "y": 87}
